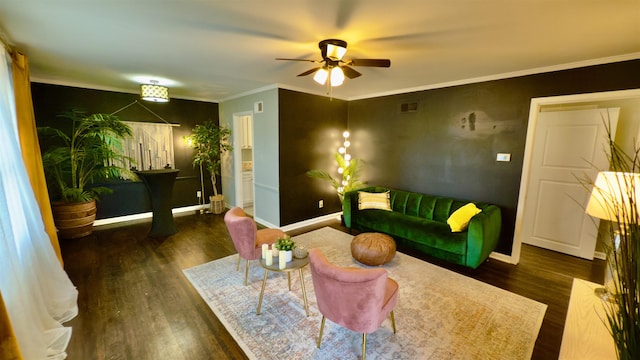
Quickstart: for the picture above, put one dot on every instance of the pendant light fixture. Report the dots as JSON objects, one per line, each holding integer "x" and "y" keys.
{"x": 154, "y": 92}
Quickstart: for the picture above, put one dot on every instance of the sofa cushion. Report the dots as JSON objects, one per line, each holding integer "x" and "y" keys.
{"x": 459, "y": 219}
{"x": 399, "y": 201}
{"x": 367, "y": 200}
{"x": 428, "y": 232}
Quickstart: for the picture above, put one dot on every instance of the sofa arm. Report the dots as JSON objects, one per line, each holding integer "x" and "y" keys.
{"x": 483, "y": 235}
{"x": 348, "y": 206}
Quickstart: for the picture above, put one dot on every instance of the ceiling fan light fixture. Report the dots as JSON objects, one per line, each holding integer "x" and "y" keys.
{"x": 337, "y": 76}
{"x": 321, "y": 76}
{"x": 154, "y": 92}
{"x": 335, "y": 52}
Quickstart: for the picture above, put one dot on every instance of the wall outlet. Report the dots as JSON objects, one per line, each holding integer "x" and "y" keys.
{"x": 199, "y": 194}
{"x": 320, "y": 204}
{"x": 503, "y": 157}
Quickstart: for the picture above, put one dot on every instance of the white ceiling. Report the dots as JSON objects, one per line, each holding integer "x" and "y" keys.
{"x": 217, "y": 49}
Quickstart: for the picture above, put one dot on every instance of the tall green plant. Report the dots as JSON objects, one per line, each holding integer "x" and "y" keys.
{"x": 351, "y": 171}
{"x": 623, "y": 307}
{"x": 87, "y": 153}
{"x": 209, "y": 141}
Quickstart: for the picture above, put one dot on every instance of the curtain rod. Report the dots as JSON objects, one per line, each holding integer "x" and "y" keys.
{"x": 146, "y": 108}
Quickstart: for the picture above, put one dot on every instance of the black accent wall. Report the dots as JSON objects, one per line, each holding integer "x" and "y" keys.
{"x": 448, "y": 146}
{"x": 310, "y": 133}
{"x": 131, "y": 197}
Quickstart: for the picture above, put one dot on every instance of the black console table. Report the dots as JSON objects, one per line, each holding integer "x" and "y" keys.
{"x": 159, "y": 183}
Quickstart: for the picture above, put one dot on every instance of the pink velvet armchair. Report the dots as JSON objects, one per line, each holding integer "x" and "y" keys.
{"x": 357, "y": 299}
{"x": 246, "y": 237}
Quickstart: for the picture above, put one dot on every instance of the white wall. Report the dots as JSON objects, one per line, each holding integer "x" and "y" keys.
{"x": 265, "y": 154}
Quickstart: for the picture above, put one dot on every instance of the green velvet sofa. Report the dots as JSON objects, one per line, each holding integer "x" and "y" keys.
{"x": 419, "y": 221}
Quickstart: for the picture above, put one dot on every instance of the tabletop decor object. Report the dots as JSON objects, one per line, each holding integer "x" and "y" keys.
{"x": 285, "y": 245}
{"x": 300, "y": 252}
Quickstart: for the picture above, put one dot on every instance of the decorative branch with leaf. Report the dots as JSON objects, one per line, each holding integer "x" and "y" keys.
{"x": 350, "y": 171}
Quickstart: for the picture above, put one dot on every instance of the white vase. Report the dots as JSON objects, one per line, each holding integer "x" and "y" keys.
{"x": 288, "y": 255}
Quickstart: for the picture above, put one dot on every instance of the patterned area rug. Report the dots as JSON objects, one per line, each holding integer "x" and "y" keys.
{"x": 440, "y": 314}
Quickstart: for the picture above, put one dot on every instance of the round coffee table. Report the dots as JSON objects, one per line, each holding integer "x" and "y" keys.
{"x": 373, "y": 249}
{"x": 293, "y": 265}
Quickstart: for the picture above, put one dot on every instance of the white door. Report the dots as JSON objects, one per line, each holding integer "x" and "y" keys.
{"x": 568, "y": 146}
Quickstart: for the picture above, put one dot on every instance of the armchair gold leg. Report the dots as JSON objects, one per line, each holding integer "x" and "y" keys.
{"x": 364, "y": 346}
{"x": 393, "y": 322}
{"x": 321, "y": 328}
{"x": 246, "y": 274}
{"x": 238, "y": 265}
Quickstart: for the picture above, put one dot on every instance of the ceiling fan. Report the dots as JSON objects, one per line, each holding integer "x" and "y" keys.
{"x": 334, "y": 67}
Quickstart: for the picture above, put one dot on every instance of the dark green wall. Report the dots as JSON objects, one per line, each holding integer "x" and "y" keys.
{"x": 310, "y": 133}
{"x": 131, "y": 197}
{"x": 434, "y": 150}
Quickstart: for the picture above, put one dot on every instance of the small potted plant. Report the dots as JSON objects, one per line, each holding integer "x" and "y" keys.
{"x": 287, "y": 245}
{"x": 210, "y": 141}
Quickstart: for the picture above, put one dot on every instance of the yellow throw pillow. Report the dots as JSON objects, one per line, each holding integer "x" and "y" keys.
{"x": 379, "y": 201}
{"x": 459, "y": 220}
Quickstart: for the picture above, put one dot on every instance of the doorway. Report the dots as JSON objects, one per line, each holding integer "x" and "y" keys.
{"x": 243, "y": 161}
{"x": 537, "y": 105}
{"x": 567, "y": 153}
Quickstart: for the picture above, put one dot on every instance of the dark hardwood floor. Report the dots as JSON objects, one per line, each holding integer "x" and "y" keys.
{"x": 135, "y": 303}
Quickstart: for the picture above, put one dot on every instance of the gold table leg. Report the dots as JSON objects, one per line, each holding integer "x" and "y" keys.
{"x": 304, "y": 292}
{"x": 289, "y": 279}
{"x": 264, "y": 282}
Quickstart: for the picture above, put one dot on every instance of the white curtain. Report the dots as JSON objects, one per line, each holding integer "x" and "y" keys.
{"x": 37, "y": 291}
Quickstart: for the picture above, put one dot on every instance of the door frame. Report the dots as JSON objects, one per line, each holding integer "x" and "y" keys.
{"x": 534, "y": 110}
{"x": 237, "y": 157}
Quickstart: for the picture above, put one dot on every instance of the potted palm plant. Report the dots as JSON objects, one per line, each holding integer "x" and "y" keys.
{"x": 89, "y": 151}
{"x": 210, "y": 141}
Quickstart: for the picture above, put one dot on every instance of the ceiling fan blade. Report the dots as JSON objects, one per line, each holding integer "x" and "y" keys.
{"x": 307, "y": 60}
{"x": 370, "y": 62}
{"x": 349, "y": 72}
{"x": 309, "y": 72}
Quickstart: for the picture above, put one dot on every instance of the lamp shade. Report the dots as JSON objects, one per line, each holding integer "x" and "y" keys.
{"x": 154, "y": 92}
{"x": 337, "y": 76}
{"x": 321, "y": 76}
{"x": 335, "y": 52}
{"x": 614, "y": 196}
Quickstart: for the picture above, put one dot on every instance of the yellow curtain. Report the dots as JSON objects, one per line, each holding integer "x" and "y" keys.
{"x": 9, "y": 349}
{"x": 29, "y": 143}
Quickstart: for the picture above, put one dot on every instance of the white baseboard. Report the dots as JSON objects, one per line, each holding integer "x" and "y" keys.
{"x": 600, "y": 255}
{"x": 502, "y": 257}
{"x": 311, "y": 221}
{"x": 494, "y": 255}
{"x": 265, "y": 223}
{"x": 147, "y": 215}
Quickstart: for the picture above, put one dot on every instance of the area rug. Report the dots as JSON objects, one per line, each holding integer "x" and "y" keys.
{"x": 439, "y": 315}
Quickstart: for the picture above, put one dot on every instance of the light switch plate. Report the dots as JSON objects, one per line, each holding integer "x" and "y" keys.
{"x": 503, "y": 157}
